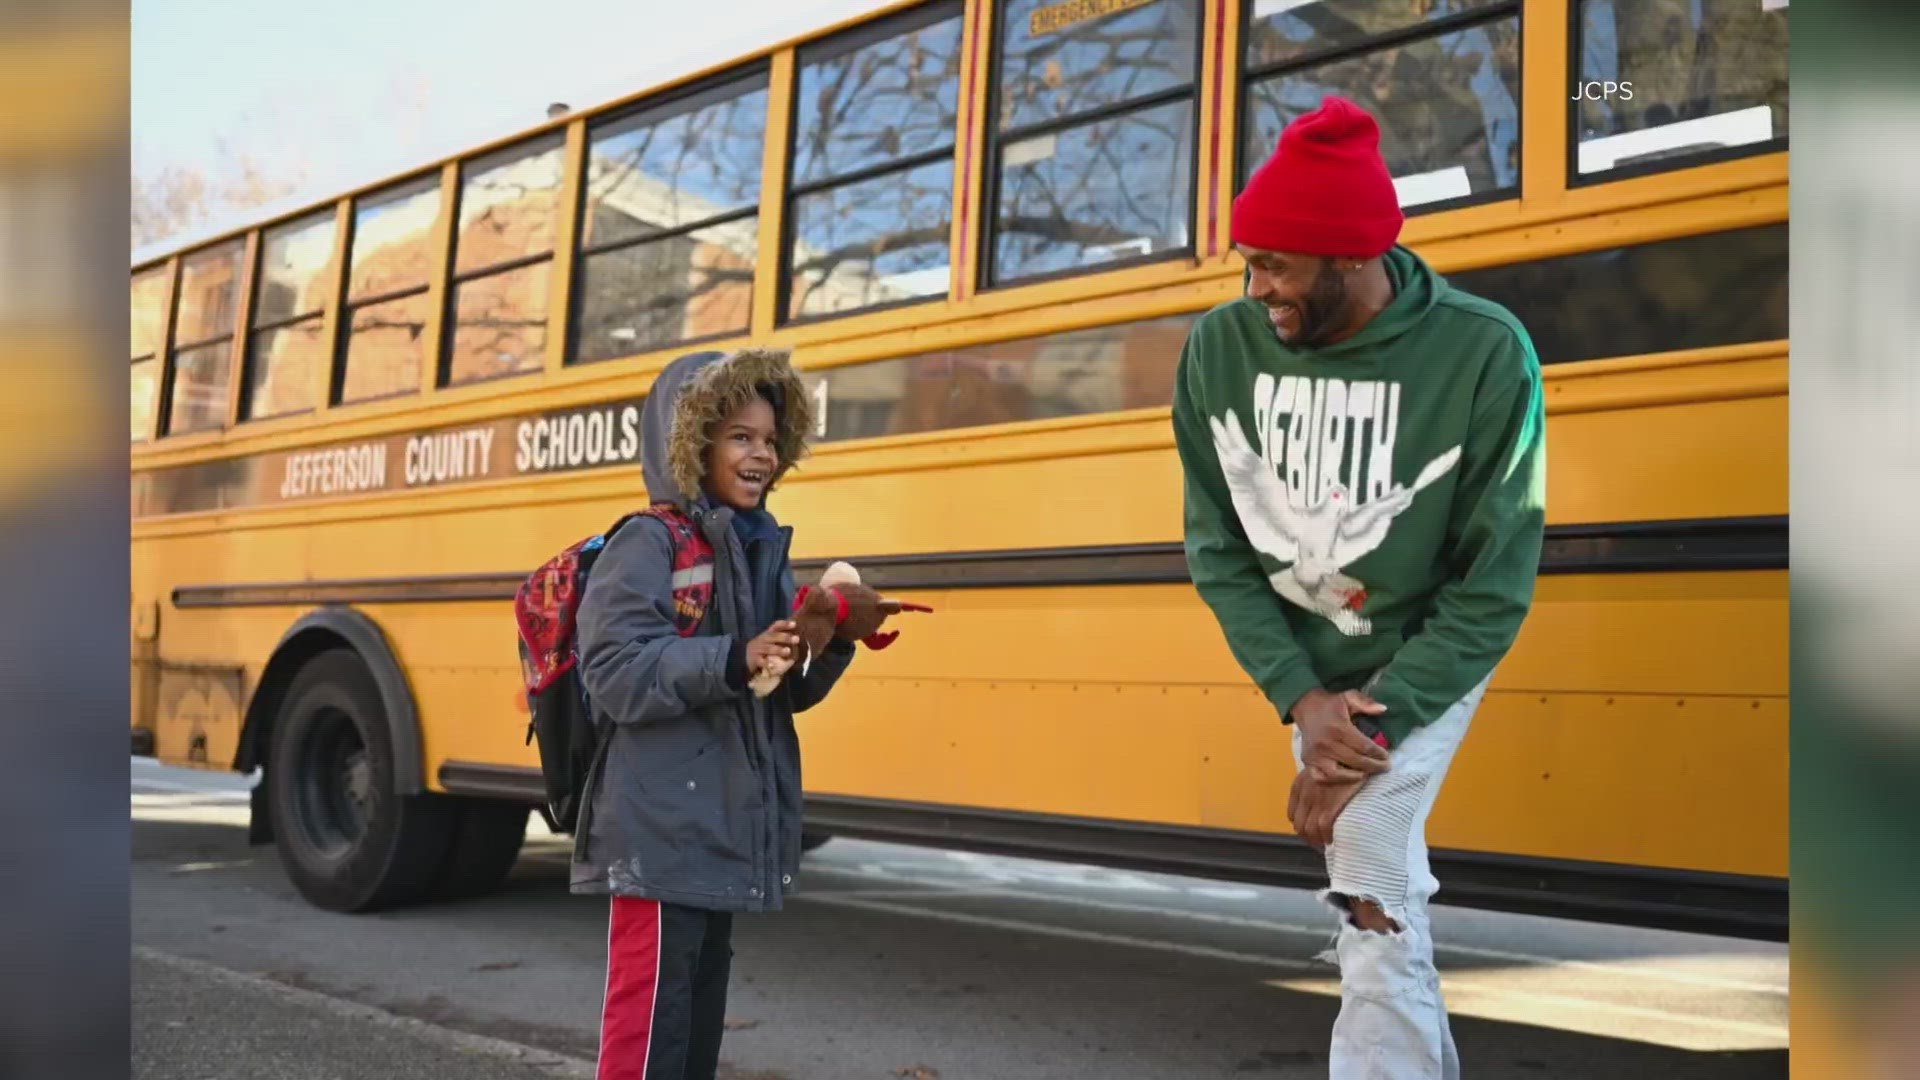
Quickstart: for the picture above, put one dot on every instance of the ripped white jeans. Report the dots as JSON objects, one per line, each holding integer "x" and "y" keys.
{"x": 1393, "y": 1023}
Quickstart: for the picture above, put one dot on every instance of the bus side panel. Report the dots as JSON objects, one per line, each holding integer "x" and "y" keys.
{"x": 1118, "y": 701}
{"x": 1123, "y": 702}
{"x": 200, "y": 665}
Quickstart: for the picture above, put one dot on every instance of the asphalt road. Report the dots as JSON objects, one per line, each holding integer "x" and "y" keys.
{"x": 893, "y": 962}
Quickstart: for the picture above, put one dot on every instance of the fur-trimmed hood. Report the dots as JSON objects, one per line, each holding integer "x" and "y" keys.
{"x": 695, "y": 392}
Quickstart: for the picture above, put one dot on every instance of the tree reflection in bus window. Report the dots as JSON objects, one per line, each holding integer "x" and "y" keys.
{"x": 1687, "y": 79}
{"x": 685, "y": 287}
{"x": 1281, "y": 32}
{"x": 1093, "y": 143}
{"x": 384, "y": 349}
{"x": 873, "y": 242}
{"x": 503, "y": 249}
{"x": 499, "y": 325}
{"x": 1078, "y": 373}
{"x": 883, "y": 102}
{"x": 871, "y": 203}
{"x": 392, "y": 234}
{"x": 509, "y": 204}
{"x": 1448, "y": 108}
{"x": 387, "y": 309}
{"x": 672, "y": 229}
{"x": 1074, "y": 64}
{"x": 1113, "y": 190}
{"x": 646, "y": 176}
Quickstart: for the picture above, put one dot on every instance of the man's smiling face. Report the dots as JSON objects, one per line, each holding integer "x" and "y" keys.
{"x": 1305, "y": 296}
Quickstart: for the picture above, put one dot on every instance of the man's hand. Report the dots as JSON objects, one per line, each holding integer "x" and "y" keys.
{"x": 1314, "y": 805}
{"x": 1332, "y": 748}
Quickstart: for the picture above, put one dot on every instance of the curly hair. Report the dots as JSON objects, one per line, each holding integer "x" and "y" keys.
{"x": 722, "y": 387}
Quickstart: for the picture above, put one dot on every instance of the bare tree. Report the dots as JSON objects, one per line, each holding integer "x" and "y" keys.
{"x": 173, "y": 199}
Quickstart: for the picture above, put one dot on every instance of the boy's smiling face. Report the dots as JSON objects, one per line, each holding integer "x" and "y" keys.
{"x": 742, "y": 457}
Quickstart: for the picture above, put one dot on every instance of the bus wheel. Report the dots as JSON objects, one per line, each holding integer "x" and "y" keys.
{"x": 346, "y": 839}
{"x": 810, "y": 840}
{"x": 486, "y": 844}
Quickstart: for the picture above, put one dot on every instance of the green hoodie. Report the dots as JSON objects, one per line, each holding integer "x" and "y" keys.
{"x": 1372, "y": 507}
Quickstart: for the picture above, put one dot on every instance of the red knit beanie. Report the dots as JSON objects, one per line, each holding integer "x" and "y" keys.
{"x": 1325, "y": 191}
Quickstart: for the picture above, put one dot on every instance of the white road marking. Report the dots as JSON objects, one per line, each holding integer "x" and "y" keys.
{"x": 1768, "y": 1034}
{"x": 1024, "y": 926}
{"x": 1710, "y": 982}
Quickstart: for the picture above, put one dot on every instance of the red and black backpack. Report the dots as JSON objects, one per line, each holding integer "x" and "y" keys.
{"x": 544, "y": 607}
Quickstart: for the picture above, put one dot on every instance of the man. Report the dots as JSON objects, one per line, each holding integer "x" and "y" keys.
{"x": 1364, "y": 451}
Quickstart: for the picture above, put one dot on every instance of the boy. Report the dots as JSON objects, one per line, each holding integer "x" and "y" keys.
{"x": 694, "y": 810}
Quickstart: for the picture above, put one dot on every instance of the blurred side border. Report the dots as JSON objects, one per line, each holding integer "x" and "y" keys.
{"x": 64, "y": 916}
{"x": 1855, "y": 322}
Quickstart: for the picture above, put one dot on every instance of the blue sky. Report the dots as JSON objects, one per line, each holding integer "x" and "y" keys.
{"x": 350, "y": 90}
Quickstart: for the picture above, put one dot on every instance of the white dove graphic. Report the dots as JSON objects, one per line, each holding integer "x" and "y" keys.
{"x": 1319, "y": 540}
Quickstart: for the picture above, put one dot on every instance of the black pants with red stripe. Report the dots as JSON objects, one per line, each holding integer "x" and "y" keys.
{"x": 666, "y": 1003}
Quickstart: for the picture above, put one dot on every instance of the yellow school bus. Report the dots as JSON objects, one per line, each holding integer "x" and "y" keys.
{"x": 984, "y": 227}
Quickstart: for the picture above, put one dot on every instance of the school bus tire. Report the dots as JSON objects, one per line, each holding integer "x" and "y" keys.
{"x": 348, "y": 839}
{"x": 484, "y": 847}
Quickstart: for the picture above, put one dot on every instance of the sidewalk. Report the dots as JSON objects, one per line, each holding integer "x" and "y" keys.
{"x": 193, "y": 1021}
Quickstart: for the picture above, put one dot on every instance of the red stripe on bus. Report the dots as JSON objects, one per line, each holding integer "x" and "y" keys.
{"x": 966, "y": 161}
{"x": 1213, "y": 150}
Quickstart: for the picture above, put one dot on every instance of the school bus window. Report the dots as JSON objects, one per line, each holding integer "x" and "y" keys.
{"x": 1093, "y": 141}
{"x": 500, "y": 325}
{"x": 209, "y": 291}
{"x": 1665, "y": 84}
{"x": 671, "y": 225}
{"x": 1284, "y": 31}
{"x": 284, "y": 351}
{"x": 392, "y": 235}
{"x": 148, "y": 311}
{"x": 1105, "y": 369}
{"x": 1448, "y": 101}
{"x": 199, "y": 400}
{"x": 871, "y": 200}
{"x": 294, "y": 264}
{"x": 1722, "y": 288}
{"x": 383, "y": 349}
{"x": 503, "y": 247}
{"x": 284, "y": 368}
{"x": 508, "y": 205}
{"x": 147, "y": 324}
{"x": 146, "y": 396}
{"x": 204, "y": 318}
{"x": 386, "y": 312}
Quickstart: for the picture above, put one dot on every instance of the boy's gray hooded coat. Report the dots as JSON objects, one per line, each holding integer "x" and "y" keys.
{"x": 696, "y": 799}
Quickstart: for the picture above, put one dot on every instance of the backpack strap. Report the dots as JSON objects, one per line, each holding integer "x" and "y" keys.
{"x": 692, "y": 567}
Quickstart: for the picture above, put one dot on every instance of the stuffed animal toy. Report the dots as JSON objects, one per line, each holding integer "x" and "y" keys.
{"x": 840, "y": 606}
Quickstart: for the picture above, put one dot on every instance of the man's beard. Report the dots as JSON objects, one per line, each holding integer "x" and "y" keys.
{"x": 1323, "y": 310}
